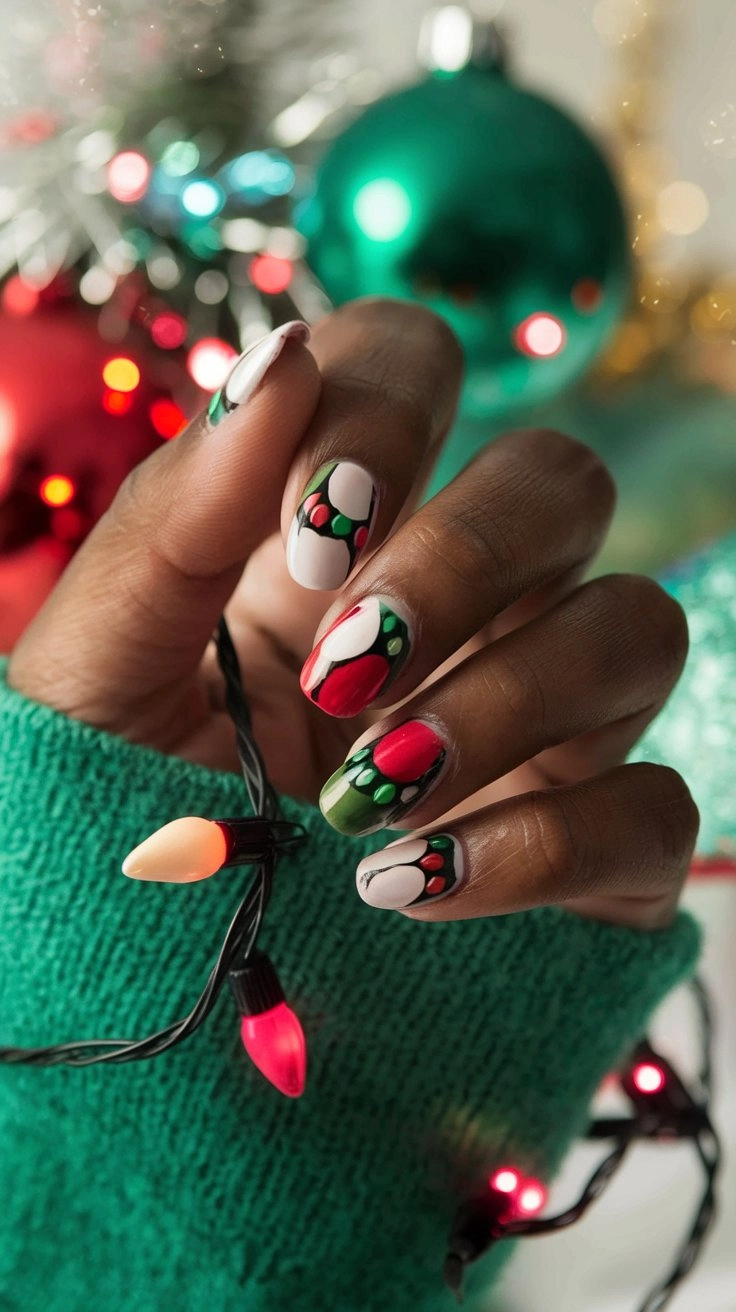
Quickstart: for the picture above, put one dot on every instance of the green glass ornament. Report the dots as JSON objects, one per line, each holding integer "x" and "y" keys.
{"x": 493, "y": 208}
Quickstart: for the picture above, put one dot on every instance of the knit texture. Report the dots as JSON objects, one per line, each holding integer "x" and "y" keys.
{"x": 435, "y": 1053}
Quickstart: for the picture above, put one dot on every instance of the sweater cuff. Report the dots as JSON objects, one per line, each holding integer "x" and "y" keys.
{"x": 436, "y": 1051}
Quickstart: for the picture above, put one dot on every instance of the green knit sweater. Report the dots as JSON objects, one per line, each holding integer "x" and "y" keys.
{"x": 435, "y": 1052}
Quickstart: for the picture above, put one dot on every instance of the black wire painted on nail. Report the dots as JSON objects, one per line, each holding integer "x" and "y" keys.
{"x": 245, "y": 925}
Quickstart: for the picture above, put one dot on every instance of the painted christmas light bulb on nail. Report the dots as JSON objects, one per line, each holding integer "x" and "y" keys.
{"x": 380, "y": 783}
{"x": 411, "y": 872}
{"x": 331, "y": 526}
{"x": 358, "y": 658}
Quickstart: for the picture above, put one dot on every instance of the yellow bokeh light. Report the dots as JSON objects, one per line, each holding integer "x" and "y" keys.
{"x": 682, "y": 208}
{"x": 121, "y": 374}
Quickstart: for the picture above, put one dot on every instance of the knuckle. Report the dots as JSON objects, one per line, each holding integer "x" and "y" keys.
{"x": 551, "y": 848}
{"x": 640, "y": 606}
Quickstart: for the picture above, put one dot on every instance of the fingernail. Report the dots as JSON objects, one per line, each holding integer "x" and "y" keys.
{"x": 410, "y": 872}
{"x": 358, "y": 658}
{"x": 382, "y": 782}
{"x": 249, "y": 371}
{"x": 331, "y": 526}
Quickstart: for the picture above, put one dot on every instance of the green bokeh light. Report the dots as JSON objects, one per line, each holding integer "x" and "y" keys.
{"x": 203, "y": 198}
{"x": 180, "y": 158}
{"x": 382, "y": 210}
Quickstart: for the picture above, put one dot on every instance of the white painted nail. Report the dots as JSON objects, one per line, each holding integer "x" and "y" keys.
{"x": 411, "y": 871}
{"x": 331, "y": 526}
{"x": 249, "y": 371}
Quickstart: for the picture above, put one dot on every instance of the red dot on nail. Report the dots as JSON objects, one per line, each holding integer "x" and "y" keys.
{"x": 311, "y": 502}
{"x": 432, "y": 862}
{"x": 405, "y": 753}
{"x": 435, "y": 885}
{"x": 319, "y": 516}
{"x": 361, "y": 537}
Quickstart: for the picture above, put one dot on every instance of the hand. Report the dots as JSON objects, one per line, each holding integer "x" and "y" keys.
{"x": 522, "y": 690}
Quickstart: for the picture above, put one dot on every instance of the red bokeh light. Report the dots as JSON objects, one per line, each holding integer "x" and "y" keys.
{"x": 169, "y": 330}
{"x": 505, "y": 1180}
{"x": 117, "y": 403}
{"x": 648, "y": 1078}
{"x": 540, "y": 336}
{"x": 18, "y": 298}
{"x": 587, "y": 295}
{"x": 128, "y": 175}
{"x": 271, "y": 274}
{"x": 57, "y": 490}
{"x": 166, "y": 417}
{"x": 531, "y": 1198}
{"x": 209, "y": 363}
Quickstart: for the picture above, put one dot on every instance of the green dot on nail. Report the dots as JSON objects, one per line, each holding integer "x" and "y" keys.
{"x": 386, "y": 793}
{"x": 361, "y": 755}
{"x": 394, "y": 646}
{"x": 440, "y": 842}
{"x": 341, "y": 525}
{"x": 365, "y": 777}
{"x": 389, "y": 623}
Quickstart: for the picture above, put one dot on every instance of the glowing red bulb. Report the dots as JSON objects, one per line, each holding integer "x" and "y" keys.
{"x": 128, "y": 175}
{"x": 531, "y": 1198}
{"x": 275, "y": 1043}
{"x": 648, "y": 1078}
{"x": 505, "y": 1180}
{"x": 540, "y": 336}
{"x": 209, "y": 363}
{"x": 271, "y": 274}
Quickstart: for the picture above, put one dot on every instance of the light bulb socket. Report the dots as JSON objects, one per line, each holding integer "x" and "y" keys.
{"x": 255, "y": 987}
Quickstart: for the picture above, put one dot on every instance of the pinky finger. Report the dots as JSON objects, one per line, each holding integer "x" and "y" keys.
{"x": 616, "y": 848}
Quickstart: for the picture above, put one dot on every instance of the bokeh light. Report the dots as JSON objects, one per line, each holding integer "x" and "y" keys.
{"x": 167, "y": 418}
{"x": 531, "y": 1198}
{"x": 18, "y": 298}
{"x": 505, "y": 1180}
{"x": 57, "y": 490}
{"x": 121, "y": 374}
{"x": 263, "y": 173}
{"x": 128, "y": 175}
{"x": 541, "y": 335}
{"x": 117, "y": 403}
{"x": 209, "y": 362}
{"x": 180, "y": 158}
{"x": 682, "y": 208}
{"x": 203, "y": 198}
{"x": 270, "y": 274}
{"x": 648, "y": 1078}
{"x": 382, "y": 209}
{"x": 168, "y": 330}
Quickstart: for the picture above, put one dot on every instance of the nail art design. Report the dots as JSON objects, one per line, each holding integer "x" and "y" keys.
{"x": 358, "y": 657}
{"x": 249, "y": 371}
{"x": 331, "y": 526}
{"x": 411, "y": 872}
{"x": 382, "y": 782}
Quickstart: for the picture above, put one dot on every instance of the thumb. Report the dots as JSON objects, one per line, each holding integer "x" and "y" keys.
{"x": 137, "y": 605}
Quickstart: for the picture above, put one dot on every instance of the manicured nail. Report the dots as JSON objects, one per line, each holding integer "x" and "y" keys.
{"x": 249, "y": 371}
{"x": 331, "y": 526}
{"x": 357, "y": 659}
{"x": 382, "y": 782}
{"x": 410, "y": 872}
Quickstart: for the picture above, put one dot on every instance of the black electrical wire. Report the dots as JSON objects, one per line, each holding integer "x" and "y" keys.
{"x": 245, "y": 925}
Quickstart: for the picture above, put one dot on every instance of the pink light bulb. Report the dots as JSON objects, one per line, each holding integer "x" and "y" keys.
{"x": 505, "y": 1180}
{"x": 275, "y": 1043}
